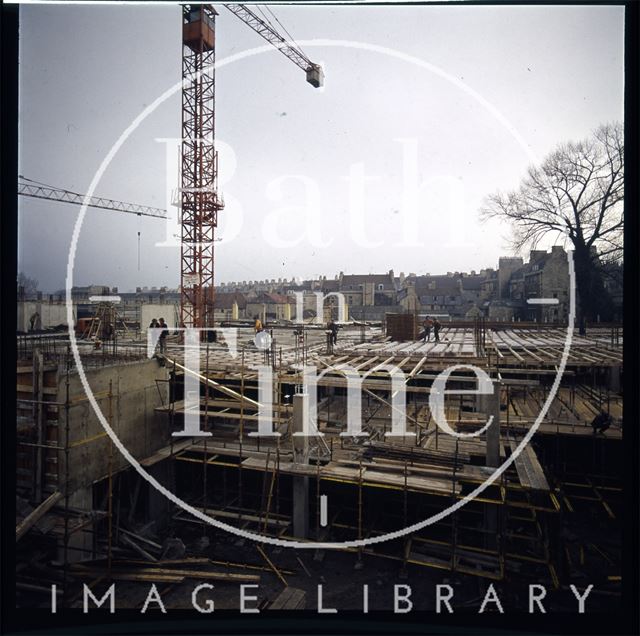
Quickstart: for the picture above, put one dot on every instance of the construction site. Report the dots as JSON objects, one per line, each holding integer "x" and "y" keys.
{"x": 90, "y": 515}
{"x": 86, "y": 515}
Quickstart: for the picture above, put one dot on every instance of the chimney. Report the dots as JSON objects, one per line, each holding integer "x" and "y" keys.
{"x": 536, "y": 255}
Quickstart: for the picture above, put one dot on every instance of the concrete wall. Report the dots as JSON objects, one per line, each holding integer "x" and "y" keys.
{"x": 135, "y": 395}
{"x": 168, "y": 311}
{"x": 51, "y": 314}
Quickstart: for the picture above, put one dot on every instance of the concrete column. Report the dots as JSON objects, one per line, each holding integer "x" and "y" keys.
{"x": 300, "y": 456}
{"x": 492, "y": 402}
{"x": 492, "y": 460}
{"x": 614, "y": 378}
{"x": 481, "y": 403}
{"x": 300, "y": 415}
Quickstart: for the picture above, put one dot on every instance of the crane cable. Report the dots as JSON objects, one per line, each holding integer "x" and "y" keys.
{"x": 262, "y": 13}
{"x": 291, "y": 38}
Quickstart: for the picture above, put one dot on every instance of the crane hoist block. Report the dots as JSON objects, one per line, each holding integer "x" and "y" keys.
{"x": 315, "y": 75}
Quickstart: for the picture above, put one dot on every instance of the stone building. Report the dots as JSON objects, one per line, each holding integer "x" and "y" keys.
{"x": 271, "y": 306}
{"x": 507, "y": 265}
{"x": 450, "y": 295}
{"x": 546, "y": 275}
{"x": 229, "y": 306}
{"x": 368, "y": 290}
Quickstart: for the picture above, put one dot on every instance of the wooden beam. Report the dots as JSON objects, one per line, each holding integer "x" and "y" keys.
{"x": 37, "y": 514}
{"x": 213, "y": 384}
{"x": 271, "y": 565}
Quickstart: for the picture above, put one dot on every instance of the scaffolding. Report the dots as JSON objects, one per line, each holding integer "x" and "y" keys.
{"x": 375, "y": 486}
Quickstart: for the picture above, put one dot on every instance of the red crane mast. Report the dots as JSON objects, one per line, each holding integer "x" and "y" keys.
{"x": 200, "y": 200}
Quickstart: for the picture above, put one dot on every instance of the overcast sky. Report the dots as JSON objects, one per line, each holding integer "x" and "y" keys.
{"x": 493, "y": 88}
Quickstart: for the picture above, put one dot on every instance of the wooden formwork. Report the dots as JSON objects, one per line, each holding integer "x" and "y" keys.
{"x": 426, "y": 464}
{"x": 401, "y": 327}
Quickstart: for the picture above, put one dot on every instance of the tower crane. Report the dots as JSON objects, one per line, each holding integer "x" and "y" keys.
{"x": 199, "y": 198}
{"x": 37, "y": 190}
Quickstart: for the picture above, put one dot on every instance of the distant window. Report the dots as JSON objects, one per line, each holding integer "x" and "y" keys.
{"x": 380, "y": 287}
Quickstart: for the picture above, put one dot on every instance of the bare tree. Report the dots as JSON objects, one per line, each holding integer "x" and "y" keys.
{"x": 26, "y": 285}
{"x": 577, "y": 193}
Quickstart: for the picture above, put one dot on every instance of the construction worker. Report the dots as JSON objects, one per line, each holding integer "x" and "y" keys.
{"x": 601, "y": 422}
{"x": 107, "y": 331}
{"x": 33, "y": 320}
{"x": 436, "y": 329}
{"x": 163, "y": 335}
{"x": 333, "y": 328}
{"x": 426, "y": 325}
